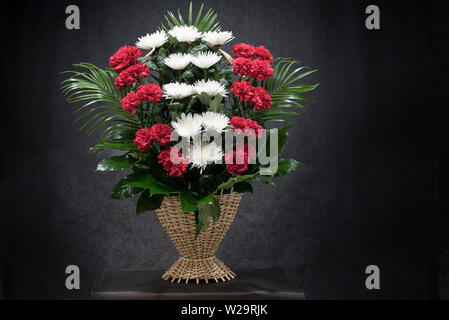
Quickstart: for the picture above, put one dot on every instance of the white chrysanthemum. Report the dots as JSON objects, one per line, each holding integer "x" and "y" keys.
{"x": 151, "y": 41}
{"x": 214, "y": 38}
{"x": 210, "y": 87}
{"x": 203, "y": 153}
{"x": 176, "y": 90}
{"x": 187, "y": 125}
{"x": 185, "y": 33}
{"x": 178, "y": 61}
{"x": 206, "y": 59}
{"x": 214, "y": 121}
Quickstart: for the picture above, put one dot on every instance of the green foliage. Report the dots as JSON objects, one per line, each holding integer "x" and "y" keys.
{"x": 235, "y": 179}
{"x": 148, "y": 181}
{"x": 117, "y": 163}
{"x": 188, "y": 202}
{"x": 242, "y": 187}
{"x": 148, "y": 202}
{"x": 207, "y": 208}
{"x": 286, "y": 95}
{"x": 204, "y": 22}
{"x": 123, "y": 191}
{"x": 286, "y": 166}
{"x": 100, "y": 105}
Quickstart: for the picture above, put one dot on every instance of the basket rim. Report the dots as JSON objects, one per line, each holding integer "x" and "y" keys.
{"x": 176, "y": 195}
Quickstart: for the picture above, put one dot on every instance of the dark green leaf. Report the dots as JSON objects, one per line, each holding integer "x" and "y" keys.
{"x": 197, "y": 49}
{"x": 148, "y": 202}
{"x": 187, "y": 74}
{"x": 205, "y": 99}
{"x": 242, "y": 187}
{"x": 147, "y": 181}
{"x": 215, "y": 104}
{"x": 116, "y": 163}
{"x": 176, "y": 107}
{"x": 233, "y": 180}
{"x": 205, "y": 179}
{"x": 267, "y": 180}
{"x": 188, "y": 202}
{"x": 122, "y": 191}
{"x": 282, "y": 137}
{"x": 286, "y": 166}
{"x": 206, "y": 211}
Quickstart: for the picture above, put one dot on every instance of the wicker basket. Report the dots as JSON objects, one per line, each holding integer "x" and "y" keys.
{"x": 197, "y": 258}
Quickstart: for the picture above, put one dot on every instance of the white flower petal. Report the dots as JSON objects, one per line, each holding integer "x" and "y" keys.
{"x": 203, "y": 153}
{"x": 187, "y": 125}
{"x": 214, "y": 121}
{"x": 176, "y": 90}
{"x": 214, "y": 38}
{"x": 185, "y": 33}
{"x": 151, "y": 41}
{"x": 210, "y": 87}
{"x": 178, "y": 61}
{"x": 205, "y": 59}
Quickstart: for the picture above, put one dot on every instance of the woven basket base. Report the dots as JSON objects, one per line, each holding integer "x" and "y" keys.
{"x": 210, "y": 269}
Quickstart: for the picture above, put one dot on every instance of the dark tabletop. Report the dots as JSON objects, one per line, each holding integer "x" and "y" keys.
{"x": 250, "y": 284}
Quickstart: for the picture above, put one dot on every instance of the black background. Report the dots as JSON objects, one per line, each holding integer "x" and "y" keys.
{"x": 374, "y": 141}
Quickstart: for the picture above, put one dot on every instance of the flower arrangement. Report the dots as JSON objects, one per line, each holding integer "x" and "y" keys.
{"x": 171, "y": 102}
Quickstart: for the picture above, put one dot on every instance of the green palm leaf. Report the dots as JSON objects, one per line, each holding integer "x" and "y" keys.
{"x": 286, "y": 94}
{"x": 204, "y": 22}
{"x": 100, "y": 108}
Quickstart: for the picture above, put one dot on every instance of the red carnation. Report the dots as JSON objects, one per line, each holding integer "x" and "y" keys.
{"x": 236, "y": 162}
{"x": 130, "y": 102}
{"x": 263, "y": 54}
{"x": 242, "y": 89}
{"x": 124, "y": 57}
{"x": 251, "y": 128}
{"x": 173, "y": 170}
{"x": 143, "y": 140}
{"x": 146, "y": 136}
{"x": 260, "y": 70}
{"x": 261, "y": 99}
{"x": 238, "y": 123}
{"x": 243, "y": 50}
{"x": 150, "y": 92}
{"x": 248, "y": 149}
{"x": 128, "y": 76}
{"x": 242, "y": 66}
{"x": 161, "y": 133}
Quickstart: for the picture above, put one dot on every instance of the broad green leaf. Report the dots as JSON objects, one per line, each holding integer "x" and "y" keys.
{"x": 286, "y": 166}
{"x": 197, "y": 49}
{"x": 205, "y": 179}
{"x": 233, "y": 180}
{"x": 216, "y": 210}
{"x": 282, "y": 137}
{"x": 242, "y": 187}
{"x": 176, "y": 107}
{"x": 187, "y": 74}
{"x": 188, "y": 202}
{"x": 122, "y": 191}
{"x": 148, "y": 202}
{"x": 266, "y": 179}
{"x": 215, "y": 104}
{"x": 116, "y": 145}
{"x": 116, "y": 163}
{"x": 147, "y": 181}
{"x": 206, "y": 211}
{"x": 204, "y": 98}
